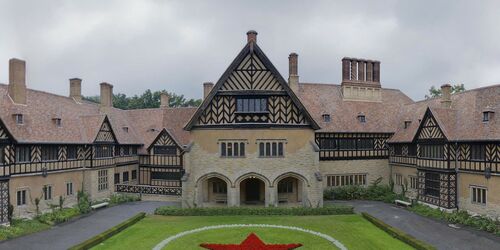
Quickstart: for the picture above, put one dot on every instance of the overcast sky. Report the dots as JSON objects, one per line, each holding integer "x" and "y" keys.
{"x": 178, "y": 45}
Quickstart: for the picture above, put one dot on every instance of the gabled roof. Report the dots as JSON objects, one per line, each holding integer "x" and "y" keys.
{"x": 250, "y": 47}
{"x": 170, "y": 135}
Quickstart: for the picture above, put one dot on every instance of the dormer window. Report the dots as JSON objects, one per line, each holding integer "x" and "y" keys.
{"x": 326, "y": 118}
{"x": 407, "y": 124}
{"x": 361, "y": 118}
{"x": 58, "y": 122}
{"x": 125, "y": 129}
{"x": 486, "y": 116}
{"x": 19, "y": 119}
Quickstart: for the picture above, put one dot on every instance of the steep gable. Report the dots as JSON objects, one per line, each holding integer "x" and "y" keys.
{"x": 105, "y": 134}
{"x": 429, "y": 128}
{"x": 251, "y": 78}
{"x": 5, "y": 136}
{"x": 165, "y": 138}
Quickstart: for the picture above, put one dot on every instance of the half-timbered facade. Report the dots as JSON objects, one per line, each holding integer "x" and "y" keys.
{"x": 256, "y": 139}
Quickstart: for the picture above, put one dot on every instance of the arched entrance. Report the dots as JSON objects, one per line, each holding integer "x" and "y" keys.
{"x": 252, "y": 191}
{"x": 214, "y": 191}
{"x": 290, "y": 191}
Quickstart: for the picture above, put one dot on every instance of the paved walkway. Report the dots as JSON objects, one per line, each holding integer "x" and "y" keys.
{"x": 436, "y": 233}
{"x": 69, "y": 234}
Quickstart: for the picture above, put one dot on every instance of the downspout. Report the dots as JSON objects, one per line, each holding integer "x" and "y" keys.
{"x": 457, "y": 188}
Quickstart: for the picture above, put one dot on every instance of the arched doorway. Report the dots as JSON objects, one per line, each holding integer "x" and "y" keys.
{"x": 290, "y": 191}
{"x": 252, "y": 191}
{"x": 215, "y": 191}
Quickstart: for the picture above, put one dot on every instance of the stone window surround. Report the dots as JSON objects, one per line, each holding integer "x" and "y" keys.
{"x": 472, "y": 188}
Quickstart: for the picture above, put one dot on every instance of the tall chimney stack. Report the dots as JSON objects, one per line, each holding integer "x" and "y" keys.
{"x": 164, "y": 100}
{"x": 75, "y": 89}
{"x": 252, "y": 36}
{"x": 17, "y": 80}
{"x": 446, "y": 96}
{"x": 106, "y": 95}
{"x": 293, "y": 77}
{"x": 207, "y": 87}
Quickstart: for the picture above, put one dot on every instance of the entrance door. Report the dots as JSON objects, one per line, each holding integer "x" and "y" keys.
{"x": 252, "y": 188}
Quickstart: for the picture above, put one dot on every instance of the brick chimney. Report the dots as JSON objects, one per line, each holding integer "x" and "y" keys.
{"x": 252, "y": 36}
{"x": 17, "y": 80}
{"x": 75, "y": 89}
{"x": 207, "y": 87}
{"x": 446, "y": 96}
{"x": 164, "y": 100}
{"x": 106, "y": 95}
{"x": 361, "y": 80}
{"x": 293, "y": 77}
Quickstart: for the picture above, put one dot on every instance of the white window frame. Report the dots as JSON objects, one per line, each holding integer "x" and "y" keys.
{"x": 102, "y": 180}
{"x": 473, "y": 189}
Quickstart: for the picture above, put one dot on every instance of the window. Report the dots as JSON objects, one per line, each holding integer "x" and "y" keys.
{"x": 103, "y": 151}
{"x": 102, "y": 180}
{"x": 271, "y": 149}
{"x": 23, "y": 154}
{"x": 165, "y": 150}
{"x": 134, "y": 150}
{"x": 285, "y": 186}
{"x": 432, "y": 184}
{"x": 58, "y": 122}
{"x": 346, "y": 180}
{"x": 21, "y": 197}
{"x": 19, "y": 119}
{"x": 407, "y": 124}
{"x": 478, "y": 152}
{"x": 486, "y": 116}
{"x": 478, "y": 195}
{"x": 412, "y": 150}
{"x": 432, "y": 151}
{"x": 232, "y": 149}
{"x": 328, "y": 143}
{"x": 47, "y": 192}
{"x": 134, "y": 175}
{"x": 2, "y": 156}
{"x": 126, "y": 150}
{"x": 398, "y": 149}
{"x": 49, "y": 153}
{"x": 117, "y": 178}
{"x": 251, "y": 105}
{"x": 361, "y": 118}
{"x": 125, "y": 129}
{"x": 365, "y": 144}
{"x": 71, "y": 153}
{"x": 413, "y": 182}
{"x": 326, "y": 118}
{"x": 125, "y": 176}
{"x": 69, "y": 188}
{"x": 399, "y": 179}
{"x": 219, "y": 187}
{"x": 347, "y": 144}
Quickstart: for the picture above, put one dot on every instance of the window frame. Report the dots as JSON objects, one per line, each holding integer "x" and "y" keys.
{"x": 47, "y": 192}
{"x": 478, "y": 150}
{"x": 166, "y": 150}
{"x": 133, "y": 175}
{"x": 69, "y": 189}
{"x": 26, "y": 153}
{"x": 271, "y": 148}
{"x": 249, "y": 104}
{"x": 478, "y": 195}
{"x": 125, "y": 176}
{"x": 21, "y": 197}
{"x": 341, "y": 180}
{"x": 232, "y": 149}
{"x": 435, "y": 189}
{"x": 49, "y": 153}
{"x": 102, "y": 180}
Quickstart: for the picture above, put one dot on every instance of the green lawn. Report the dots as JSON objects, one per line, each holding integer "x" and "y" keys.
{"x": 20, "y": 227}
{"x": 352, "y": 231}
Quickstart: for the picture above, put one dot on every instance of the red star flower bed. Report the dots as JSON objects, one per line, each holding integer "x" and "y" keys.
{"x": 252, "y": 242}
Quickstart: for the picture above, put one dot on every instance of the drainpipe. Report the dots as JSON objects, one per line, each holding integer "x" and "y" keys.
{"x": 456, "y": 173}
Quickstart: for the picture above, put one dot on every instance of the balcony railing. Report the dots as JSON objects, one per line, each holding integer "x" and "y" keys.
{"x": 160, "y": 160}
{"x": 405, "y": 160}
{"x": 144, "y": 189}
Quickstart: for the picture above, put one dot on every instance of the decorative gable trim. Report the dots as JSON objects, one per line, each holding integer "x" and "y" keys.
{"x": 253, "y": 72}
{"x": 105, "y": 134}
{"x": 429, "y": 128}
{"x": 165, "y": 138}
{"x": 5, "y": 135}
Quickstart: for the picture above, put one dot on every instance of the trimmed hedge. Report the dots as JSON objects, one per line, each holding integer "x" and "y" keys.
{"x": 398, "y": 234}
{"x": 330, "y": 210}
{"x": 89, "y": 243}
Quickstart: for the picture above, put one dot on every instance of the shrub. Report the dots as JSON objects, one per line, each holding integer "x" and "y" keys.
{"x": 58, "y": 216}
{"x": 398, "y": 234}
{"x": 374, "y": 191}
{"x": 122, "y": 198}
{"x": 19, "y": 227}
{"x": 83, "y": 202}
{"x": 299, "y": 211}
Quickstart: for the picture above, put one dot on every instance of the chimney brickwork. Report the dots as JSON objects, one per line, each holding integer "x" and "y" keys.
{"x": 293, "y": 77}
{"x": 75, "y": 89}
{"x": 164, "y": 100}
{"x": 446, "y": 96}
{"x": 106, "y": 95}
{"x": 361, "y": 80}
{"x": 17, "y": 80}
{"x": 252, "y": 36}
{"x": 207, "y": 87}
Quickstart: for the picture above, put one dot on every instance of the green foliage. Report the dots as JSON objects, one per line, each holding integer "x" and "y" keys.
{"x": 374, "y": 191}
{"x": 20, "y": 227}
{"x": 37, "y": 205}
{"x": 61, "y": 202}
{"x": 10, "y": 212}
{"x": 148, "y": 99}
{"x": 398, "y": 234}
{"x": 122, "y": 198}
{"x": 298, "y": 211}
{"x": 108, "y": 233}
{"x": 436, "y": 92}
{"x": 58, "y": 216}
{"x": 83, "y": 202}
{"x": 459, "y": 217}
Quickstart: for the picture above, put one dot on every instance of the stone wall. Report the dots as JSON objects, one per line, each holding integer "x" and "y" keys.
{"x": 406, "y": 173}
{"x": 466, "y": 181}
{"x": 373, "y": 169}
{"x": 90, "y": 180}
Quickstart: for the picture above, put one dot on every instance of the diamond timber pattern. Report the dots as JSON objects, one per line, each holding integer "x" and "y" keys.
{"x": 105, "y": 133}
{"x": 4, "y": 201}
{"x": 430, "y": 129}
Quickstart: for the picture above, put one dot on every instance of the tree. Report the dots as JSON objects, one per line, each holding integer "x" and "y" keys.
{"x": 435, "y": 92}
{"x": 148, "y": 99}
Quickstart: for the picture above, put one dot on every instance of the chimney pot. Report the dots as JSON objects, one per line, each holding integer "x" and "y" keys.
{"x": 164, "y": 100}
{"x": 17, "y": 80}
{"x": 75, "y": 89}
{"x": 106, "y": 95}
{"x": 252, "y": 36}
{"x": 446, "y": 95}
{"x": 207, "y": 87}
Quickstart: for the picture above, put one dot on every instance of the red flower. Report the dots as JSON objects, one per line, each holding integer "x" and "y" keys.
{"x": 252, "y": 242}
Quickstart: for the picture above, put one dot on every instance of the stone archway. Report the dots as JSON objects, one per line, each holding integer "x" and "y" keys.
{"x": 253, "y": 190}
{"x": 291, "y": 189}
{"x": 213, "y": 190}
